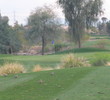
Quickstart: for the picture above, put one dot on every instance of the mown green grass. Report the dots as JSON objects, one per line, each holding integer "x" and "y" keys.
{"x": 83, "y": 50}
{"x": 30, "y": 61}
{"x": 50, "y": 60}
{"x": 87, "y": 83}
{"x": 89, "y": 43}
{"x": 100, "y": 36}
{"x": 67, "y": 84}
{"x": 94, "y": 86}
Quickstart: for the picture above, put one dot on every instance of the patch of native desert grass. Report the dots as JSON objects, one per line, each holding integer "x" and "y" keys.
{"x": 11, "y": 68}
{"x": 38, "y": 68}
{"x": 71, "y": 61}
{"x": 108, "y": 64}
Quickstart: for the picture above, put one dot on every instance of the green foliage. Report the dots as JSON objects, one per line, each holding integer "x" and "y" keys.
{"x": 80, "y": 14}
{"x": 70, "y": 61}
{"x": 59, "y": 47}
{"x": 14, "y": 42}
{"x": 100, "y": 59}
{"x": 20, "y": 32}
{"x": 4, "y": 34}
{"x": 42, "y": 26}
{"x": 94, "y": 30}
{"x": 108, "y": 27}
{"x": 9, "y": 42}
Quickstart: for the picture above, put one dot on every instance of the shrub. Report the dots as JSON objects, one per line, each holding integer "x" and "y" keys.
{"x": 70, "y": 61}
{"x": 60, "y": 47}
{"x": 11, "y": 68}
{"x": 100, "y": 59}
{"x": 102, "y": 44}
{"x": 86, "y": 37}
{"x": 57, "y": 47}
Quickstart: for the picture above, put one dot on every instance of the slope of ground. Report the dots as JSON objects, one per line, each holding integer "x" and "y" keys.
{"x": 50, "y": 60}
{"x": 67, "y": 84}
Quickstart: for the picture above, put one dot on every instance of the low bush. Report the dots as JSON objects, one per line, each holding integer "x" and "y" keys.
{"x": 59, "y": 47}
{"x": 100, "y": 59}
{"x": 86, "y": 37}
{"x": 11, "y": 68}
{"x": 71, "y": 60}
{"x": 102, "y": 44}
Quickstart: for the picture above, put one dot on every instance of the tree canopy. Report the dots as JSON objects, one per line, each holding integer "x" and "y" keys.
{"x": 80, "y": 14}
{"x": 9, "y": 42}
{"x": 108, "y": 27}
{"x": 42, "y": 25}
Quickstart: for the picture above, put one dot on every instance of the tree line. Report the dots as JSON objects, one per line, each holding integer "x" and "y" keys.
{"x": 44, "y": 26}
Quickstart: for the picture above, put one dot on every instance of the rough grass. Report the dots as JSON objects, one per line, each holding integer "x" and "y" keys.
{"x": 11, "y": 68}
{"x": 70, "y": 61}
{"x": 30, "y": 61}
{"x": 66, "y": 84}
{"x": 49, "y": 60}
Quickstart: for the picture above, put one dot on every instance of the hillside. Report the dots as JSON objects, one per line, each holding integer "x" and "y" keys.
{"x": 67, "y": 84}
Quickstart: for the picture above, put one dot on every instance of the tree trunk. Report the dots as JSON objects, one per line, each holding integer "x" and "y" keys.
{"x": 79, "y": 44}
{"x": 43, "y": 45}
{"x": 10, "y": 50}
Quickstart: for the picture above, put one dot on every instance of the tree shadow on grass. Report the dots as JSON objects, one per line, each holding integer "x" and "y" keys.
{"x": 83, "y": 50}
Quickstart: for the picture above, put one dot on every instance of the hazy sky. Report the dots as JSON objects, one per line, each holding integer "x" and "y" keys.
{"x": 106, "y": 8}
{"x": 22, "y": 8}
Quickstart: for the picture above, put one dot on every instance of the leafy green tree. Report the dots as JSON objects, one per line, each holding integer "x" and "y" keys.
{"x": 21, "y": 31}
{"x": 4, "y": 34}
{"x": 104, "y": 19}
{"x": 80, "y": 14}
{"x": 103, "y": 26}
{"x": 108, "y": 27}
{"x": 42, "y": 25}
{"x": 93, "y": 8}
{"x": 8, "y": 40}
{"x": 14, "y": 43}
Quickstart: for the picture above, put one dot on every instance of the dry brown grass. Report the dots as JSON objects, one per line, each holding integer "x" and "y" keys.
{"x": 108, "y": 64}
{"x": 70, "y": 61}
{"x": 11, "y": 68}
{"x": 38, "y": 68}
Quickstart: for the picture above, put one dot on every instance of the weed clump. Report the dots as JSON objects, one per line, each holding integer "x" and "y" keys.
{"x": 70, "y": 61}
{"x": 11, "y": 68}
{"x": 100, "y": 59}
{"x": 102, "y": 44}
